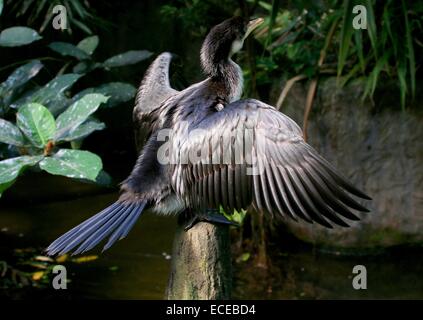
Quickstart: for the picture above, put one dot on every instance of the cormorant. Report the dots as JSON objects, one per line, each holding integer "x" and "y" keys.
{"x": 205, "y": 148}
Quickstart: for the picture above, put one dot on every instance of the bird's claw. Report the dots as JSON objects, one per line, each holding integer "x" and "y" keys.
{"x": 209, "y": 216}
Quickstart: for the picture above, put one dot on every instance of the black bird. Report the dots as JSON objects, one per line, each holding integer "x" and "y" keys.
{"x": 205, "y": 148}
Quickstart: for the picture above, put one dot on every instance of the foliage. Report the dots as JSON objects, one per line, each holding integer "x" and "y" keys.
{"x": 387, "y": 46}
{"x": 306, "y": 40}
{"x": 38, "y": 123}
{"x": 39, "y": 13}
{"x": 197, "y": 16}
{"x": 37, "y": 135}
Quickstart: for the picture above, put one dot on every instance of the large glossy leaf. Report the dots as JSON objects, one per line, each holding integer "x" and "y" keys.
{"x": 88, "y": 44}
{"x": 1, "y": 6}
{"x": 68, "y": 49}
{"x": 37, "y": 123}
{"x": 18, "y": 36}
{"x": 17, "y": 78}
{"x": 117, "y": 91}
{"x": 127, "y": 58}
{"x": 10, "y": 169}
{"x": 77, "y": 113}
{"x": 86, "y": 66}
{"x": 50, "y": 94}
{"x": 21, "y": 75}
{"x": 84, "y": 130}
{"x": 73, "y": 164}
{"x": 10, "y": 134}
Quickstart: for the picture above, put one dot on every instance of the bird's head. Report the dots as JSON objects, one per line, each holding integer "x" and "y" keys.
{"x": 224, "y": 40}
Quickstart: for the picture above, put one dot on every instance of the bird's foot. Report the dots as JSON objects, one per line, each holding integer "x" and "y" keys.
{"x": 211, "y": 216}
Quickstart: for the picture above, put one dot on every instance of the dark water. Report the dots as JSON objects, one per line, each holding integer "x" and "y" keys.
{"x": 137, "y": 267}
{"x": 134, "y": 268}
{"x": 307, "y": 274}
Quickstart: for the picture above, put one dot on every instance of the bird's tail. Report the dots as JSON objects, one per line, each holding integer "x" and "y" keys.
{"x": 116, "y": 221}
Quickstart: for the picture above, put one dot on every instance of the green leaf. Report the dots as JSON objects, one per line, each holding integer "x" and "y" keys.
{"x": 88, "y": 44}
{"x": 410, "y": 50}
{"x": 402, "y": 74}
{"x": 346, "y": 35}
{"x": 118, "y": 92}
{"x": 22, "y": 75}
{"x": 51, "y": 94}
{"x": 273, "y": 15}
{"x": 68, "y": 49}
{"x": 10, "y": 134}
{"x": 371, "y": 26}
{"x": 387, "y": 24}
{"x": 82, "y": 26}
{"x": 37, "y": 123}
{"x": 77, "y": 113}
{"x": 374, "y": 75}
{"x": 18, "y": 36}
{"x": 359, "y": 46}
{"x": 1, "y": 6}
{"x": 10, "y": 169}
{"x": 73, "y": 164}
{"x": 84, "y": 130}
{"x": 85, "y": 66}
{"x": 127, "y": 58}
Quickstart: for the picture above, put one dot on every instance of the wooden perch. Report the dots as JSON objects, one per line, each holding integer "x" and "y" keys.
{"x": 201, "y": 263}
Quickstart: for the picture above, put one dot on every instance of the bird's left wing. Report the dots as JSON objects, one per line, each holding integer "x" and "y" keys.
{"x": 251, "y": 153}
{"x": 154, "y": 90}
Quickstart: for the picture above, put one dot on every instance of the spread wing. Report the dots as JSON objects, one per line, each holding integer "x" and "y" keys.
{"x": 251, "y": 153}
{"x": 154, "y": 89}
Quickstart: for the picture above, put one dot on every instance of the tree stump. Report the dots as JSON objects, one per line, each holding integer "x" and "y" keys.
{"x": 201, "y": 266}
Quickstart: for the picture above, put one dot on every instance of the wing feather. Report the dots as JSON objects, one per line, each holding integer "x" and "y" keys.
{"x": 285, "y": 176}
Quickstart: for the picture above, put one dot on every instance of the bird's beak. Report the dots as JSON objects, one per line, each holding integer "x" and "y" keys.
{"x": 253, "y": 24}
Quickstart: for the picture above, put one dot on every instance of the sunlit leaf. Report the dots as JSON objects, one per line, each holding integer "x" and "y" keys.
{"x": 88, "y": 44}
{"x": 127, "y": 58}
{"x": 10, "y": 134}
{"x": 62, "y": 258}
{"x": 245, "y": 256}
{"x": 37, "y": 275}
{"x": 84, "y": 259}
{"x": 77, "y": 113}
{"x": 37, "y": 123}
{"x": 38, "y": 265}
{"x": 18, "y": 36}
{"x": 73, "y": 164}
{"x": 44, "y": 259}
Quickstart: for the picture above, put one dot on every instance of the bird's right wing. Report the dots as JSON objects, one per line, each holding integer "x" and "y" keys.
{"x": 154, "y": 90}
{"x": 251, "y": 153}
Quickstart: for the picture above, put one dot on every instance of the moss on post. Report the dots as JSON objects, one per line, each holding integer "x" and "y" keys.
{"x": 201, "y": 263}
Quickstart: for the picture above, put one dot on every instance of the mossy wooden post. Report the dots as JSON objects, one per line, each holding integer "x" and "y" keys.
{"x": 201, "y": 263}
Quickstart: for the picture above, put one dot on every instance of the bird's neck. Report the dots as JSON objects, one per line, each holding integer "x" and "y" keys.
{"x": 228, "y": 74}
